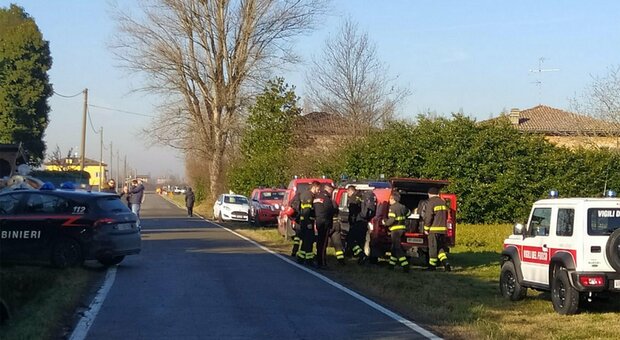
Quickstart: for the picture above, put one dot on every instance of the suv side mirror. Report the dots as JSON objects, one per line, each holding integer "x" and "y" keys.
{"x": 518, "y": 229}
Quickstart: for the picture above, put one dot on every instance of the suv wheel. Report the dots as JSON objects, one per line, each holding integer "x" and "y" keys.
{"x": 564, "y": 297}
{"x": 613, "y": 250}
{"x": 111, "y": 261}
{"x": 509, "y": 284}
{"x": 66, "y": 253}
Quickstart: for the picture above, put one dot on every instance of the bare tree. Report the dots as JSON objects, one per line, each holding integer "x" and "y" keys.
{"x": 204, "y": 58}
{"x": 348, "y": 79}
{"x": 602, "y": 101}
{"x": 58, "y": 160}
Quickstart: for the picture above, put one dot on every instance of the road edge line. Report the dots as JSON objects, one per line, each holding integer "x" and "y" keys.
{"x": 410, "y": 324}
{"x": 81, "y": 330}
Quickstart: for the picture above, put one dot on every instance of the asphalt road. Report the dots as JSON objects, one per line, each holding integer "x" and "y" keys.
{"x": 195, "y": 280}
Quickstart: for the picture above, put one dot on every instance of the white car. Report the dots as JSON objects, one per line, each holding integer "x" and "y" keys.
{"x": 570, "y": 246}
{"x": 230, "y": 207}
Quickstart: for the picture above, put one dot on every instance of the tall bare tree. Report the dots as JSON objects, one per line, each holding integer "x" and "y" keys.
{"x": 204, "y": 58}
{"x": 601, "y": 100}
{"x": 348, "y": 79}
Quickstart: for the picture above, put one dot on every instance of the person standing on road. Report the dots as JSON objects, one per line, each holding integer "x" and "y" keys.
{"x": 324, "y": 211}
{"x": 111, "y": 187}
{"x": 358, "y": 226}
{"x": 136, "y": 197}
{"x": 189, "y": 201}
{"x": 436, "y": 227}
{"x": 306, "y": 224}
{"x": 396, "y": 224}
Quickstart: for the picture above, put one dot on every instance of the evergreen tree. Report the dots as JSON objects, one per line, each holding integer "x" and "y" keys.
{"x": 24, "y": 84}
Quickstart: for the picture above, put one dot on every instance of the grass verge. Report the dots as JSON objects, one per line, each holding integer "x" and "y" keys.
{"x": 463, "y": 304}
{"x": 42, "y": 299}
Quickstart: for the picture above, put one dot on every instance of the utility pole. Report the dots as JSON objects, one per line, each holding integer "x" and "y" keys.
{"x": 125, "y": 169}
{"x": 117, "y": 164}
{"x": 111, "y": 158}
{"x": 100, "y": 157}
{"x": 84, "y": 113}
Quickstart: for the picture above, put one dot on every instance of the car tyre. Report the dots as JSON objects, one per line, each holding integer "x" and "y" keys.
{"x": 613, "y": 250}
{"x": 111, "y": 261}
{"x": 509, "y": 284}
{"x": 66, "y": 252}
{"x": 564, "y": 297}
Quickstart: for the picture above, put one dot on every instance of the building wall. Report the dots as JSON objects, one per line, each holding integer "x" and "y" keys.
{"x": 93, "y": 170}
{"x": 574, "y": 142}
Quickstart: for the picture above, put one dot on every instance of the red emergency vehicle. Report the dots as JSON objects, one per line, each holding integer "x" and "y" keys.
{"x": 285, "y": 223}
{"x": 412, "y": 191}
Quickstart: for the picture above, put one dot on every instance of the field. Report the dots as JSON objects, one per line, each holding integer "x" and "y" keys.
{"x": 463, "y": 304}
{"x": 42, "y": 300}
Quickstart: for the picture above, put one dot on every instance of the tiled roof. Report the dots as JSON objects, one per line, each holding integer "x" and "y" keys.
{"x": 321, "y": 123}
{"x": 549, "y": 120}
{"x": 75, "y": 161}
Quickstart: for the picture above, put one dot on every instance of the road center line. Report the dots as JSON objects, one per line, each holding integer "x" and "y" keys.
{"x": 412, "y": 325}
{"x": 81, "y": 330}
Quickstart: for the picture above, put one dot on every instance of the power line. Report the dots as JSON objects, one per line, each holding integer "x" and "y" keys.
{"x": 118, "y": 110}
{"x": 65, "y": 96}
{"x": 91, "y": 122}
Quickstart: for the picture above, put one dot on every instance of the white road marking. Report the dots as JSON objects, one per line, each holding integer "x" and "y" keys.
{"x": 81, "y": 330}
{"x": 412, "y": 325}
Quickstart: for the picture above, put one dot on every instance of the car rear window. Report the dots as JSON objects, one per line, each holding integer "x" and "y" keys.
{"x": 272, "y": 195}
{"x": 235, "y": 200}
{"x": 603, "y": 221}
{"x": 112, "y": 204}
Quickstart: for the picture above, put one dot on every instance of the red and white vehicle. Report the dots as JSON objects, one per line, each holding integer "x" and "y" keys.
{"x": 265, "y": 205}
{"x": 570, "y": 246}
{"x": 285, "y": 223}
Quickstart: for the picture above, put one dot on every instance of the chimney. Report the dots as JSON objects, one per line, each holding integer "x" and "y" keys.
{"x": 515, "y": 116}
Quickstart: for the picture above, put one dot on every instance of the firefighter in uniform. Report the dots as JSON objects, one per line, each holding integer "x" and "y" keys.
{"x": 296, "y": 206}
{"x": 436, "y": 227}
{"x": 356, "y": 238}
{"x": 324, "y": 211}
{"x": 396, "y": 224}
{"x": 306, "y": 224}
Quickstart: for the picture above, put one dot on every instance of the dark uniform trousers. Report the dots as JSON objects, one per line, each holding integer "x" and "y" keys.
{"x": 437, "y": 246}
{"x": 356, "y": 239}
{"x": 323, "y": 227}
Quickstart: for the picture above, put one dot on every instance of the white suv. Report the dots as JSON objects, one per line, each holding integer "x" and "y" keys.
{"x": 570, "y": 246}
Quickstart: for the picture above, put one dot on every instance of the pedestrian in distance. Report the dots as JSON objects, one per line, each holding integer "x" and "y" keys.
{"x": 136, "y": 197}
{"x": 436, "y": 227}
{"x": 189, "y": 201}
{"x": 395, "y": 222}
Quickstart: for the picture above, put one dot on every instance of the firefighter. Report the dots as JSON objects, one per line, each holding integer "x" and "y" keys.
{"x": 306, "y": 224}
{"x": 293, "y": 212}
{"x": 324, "y": 211}
{"x": 436, "y": 227}
{"x": 396, "y": 224}
{"x": 358, "y": 225}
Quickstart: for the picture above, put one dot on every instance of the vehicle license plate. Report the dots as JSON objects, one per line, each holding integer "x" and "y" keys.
{"x": 617, "y": 284}
{"x": 123, "y": 226}
{"x": 415, "y": 240}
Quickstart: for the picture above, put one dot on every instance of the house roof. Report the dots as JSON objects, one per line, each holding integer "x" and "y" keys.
{"x": 75, "y": 161}
{"x": 321, "y": 123}
{"x": 552, "y": 121}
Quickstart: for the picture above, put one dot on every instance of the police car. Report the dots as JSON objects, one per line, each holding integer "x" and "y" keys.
{"x": 65, "y": 227}
{"x": 570, "y": 246}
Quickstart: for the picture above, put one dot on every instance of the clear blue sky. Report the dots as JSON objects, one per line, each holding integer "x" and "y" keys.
{"x": 453, "y": 55}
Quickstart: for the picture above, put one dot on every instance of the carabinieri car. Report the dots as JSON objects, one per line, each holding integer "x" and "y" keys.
{"x": 66, "y": 227}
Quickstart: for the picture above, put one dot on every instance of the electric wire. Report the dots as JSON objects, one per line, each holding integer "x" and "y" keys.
{"x": 118, "y": 110}
{"x": 91, "y": 122}
{"x": 65, "y": 96}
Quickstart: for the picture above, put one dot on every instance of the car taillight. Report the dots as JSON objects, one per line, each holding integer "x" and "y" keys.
{"x": 103, "y": 221}
{"x": 592, "y": 281}
{"x": 450, "y": 229}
